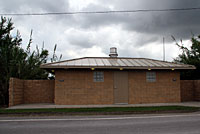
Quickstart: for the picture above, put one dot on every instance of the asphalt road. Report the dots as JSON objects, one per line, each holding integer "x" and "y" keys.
{"x": 135, "y": 124}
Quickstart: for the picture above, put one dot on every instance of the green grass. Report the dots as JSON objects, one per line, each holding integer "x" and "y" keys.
{"x": 99, "y": 110}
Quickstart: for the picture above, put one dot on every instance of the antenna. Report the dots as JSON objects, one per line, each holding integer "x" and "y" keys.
{"x": 163, "y": 48}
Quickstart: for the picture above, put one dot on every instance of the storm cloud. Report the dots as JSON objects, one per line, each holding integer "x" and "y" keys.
{"x": 136, "y": 34}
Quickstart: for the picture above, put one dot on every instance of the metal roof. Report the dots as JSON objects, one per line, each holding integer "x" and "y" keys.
{"x": 119, "y": 62}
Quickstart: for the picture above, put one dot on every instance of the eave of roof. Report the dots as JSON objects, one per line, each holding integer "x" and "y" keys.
{"x": 99, "y": 67}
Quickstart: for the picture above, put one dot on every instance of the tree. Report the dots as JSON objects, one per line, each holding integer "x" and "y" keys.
{"x": 17, "y": 62}
{"x": 190, "y": 56}
{"x": 29, "y": 67}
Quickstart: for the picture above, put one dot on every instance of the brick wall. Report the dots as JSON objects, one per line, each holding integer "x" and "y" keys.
{"x": 16, "y": 95}
{"x": 39, "y": 91}
{"x": 30, "y": 91}
{"x": 190, "y": 90}
{"x": 197, "y": 90}
{"x": 187, "y": 90}
{"x": 78, "y": 88}
{"x": 164, "y": 90}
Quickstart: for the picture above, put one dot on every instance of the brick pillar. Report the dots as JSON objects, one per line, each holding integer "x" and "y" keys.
{"x": 197, "y": 90}
{"x": 16, "y": 91}
{"x": 11, "y": 94}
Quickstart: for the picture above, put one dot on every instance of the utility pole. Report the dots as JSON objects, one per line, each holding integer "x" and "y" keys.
{"x": 163, "y": 48}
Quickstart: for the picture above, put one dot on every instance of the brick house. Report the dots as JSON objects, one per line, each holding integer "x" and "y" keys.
{"x": 116, "y": 80}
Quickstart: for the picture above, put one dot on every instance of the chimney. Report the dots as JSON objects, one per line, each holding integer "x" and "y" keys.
{"x": 113, "y": 52}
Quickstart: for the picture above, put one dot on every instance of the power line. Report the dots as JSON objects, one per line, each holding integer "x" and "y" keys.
{"x": 99, "y": 12}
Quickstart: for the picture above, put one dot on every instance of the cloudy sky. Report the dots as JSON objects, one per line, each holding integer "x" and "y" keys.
{"x": 134, "y": 34}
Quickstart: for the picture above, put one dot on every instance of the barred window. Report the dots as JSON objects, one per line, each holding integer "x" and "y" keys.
{"x": 98, "y": 76}
{"x": 151, "y": 76}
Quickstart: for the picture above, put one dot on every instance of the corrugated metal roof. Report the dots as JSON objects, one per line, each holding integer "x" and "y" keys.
{"x": 119, "y": 62}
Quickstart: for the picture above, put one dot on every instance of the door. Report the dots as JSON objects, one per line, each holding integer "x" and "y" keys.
{"x": 121, "y": 87}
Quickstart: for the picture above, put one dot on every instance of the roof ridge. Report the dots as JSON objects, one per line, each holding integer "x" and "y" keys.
{"x": 119, "y": 57}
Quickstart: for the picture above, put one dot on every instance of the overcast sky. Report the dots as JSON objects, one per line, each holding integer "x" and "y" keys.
{"x": 134, "y": 34}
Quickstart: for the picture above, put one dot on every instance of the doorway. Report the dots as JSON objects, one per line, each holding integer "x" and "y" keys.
{"x": 120, "y": 87}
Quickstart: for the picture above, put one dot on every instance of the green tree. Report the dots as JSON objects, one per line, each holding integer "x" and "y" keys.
{"x": 29, "y": 66}
{"x": 190, "y": 56}
{"x": 9, "y": 52}
{"x": 17, "y": 62}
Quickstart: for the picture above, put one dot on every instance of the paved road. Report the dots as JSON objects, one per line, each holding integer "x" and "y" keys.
{"x": 138, "y": 124}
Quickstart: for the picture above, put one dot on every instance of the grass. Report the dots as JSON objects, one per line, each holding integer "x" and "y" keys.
{"x": 105, "y": 110}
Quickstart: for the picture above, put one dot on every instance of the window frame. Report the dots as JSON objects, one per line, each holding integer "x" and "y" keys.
{"x": 150, "y": 76}
{"x": 98, "y": 76}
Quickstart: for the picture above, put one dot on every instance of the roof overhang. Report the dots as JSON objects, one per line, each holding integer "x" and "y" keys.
{"x": 115, "y": 67}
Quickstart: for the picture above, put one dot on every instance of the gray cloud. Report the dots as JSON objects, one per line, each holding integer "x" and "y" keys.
{"x": 80, "y": 39}
{"x": 130, "y": 32}
{"x": 179, "y": 23}
{"x": 13, "y": 6}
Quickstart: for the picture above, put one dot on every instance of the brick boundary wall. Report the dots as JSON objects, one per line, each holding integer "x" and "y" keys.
{"x": 190, "y": 90}
{"x": 16, "y": 95}
{"x": 197, "y": 90}
{"x": 42, "y": 91}
{"x": 30, "y": 91}
{"x": 187, "y": 90}
{"x": 39, "y": 91}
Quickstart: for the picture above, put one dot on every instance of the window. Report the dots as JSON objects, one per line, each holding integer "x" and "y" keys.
{"x": 98, "y": 76}
{"x": 151, "y": 76}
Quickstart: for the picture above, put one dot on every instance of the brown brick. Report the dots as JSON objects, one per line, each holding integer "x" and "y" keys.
{"x": 16, "y": 95}
{"x": 187, "y": 90}
{"x": 39, "y": 91}
{"x": 30, "y": 91}
{"x": 78, "y": 88}
{"x": 164, "y": 90}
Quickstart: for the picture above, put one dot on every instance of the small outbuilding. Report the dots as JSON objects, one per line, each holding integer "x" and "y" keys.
{"x": 116, "y": 80}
